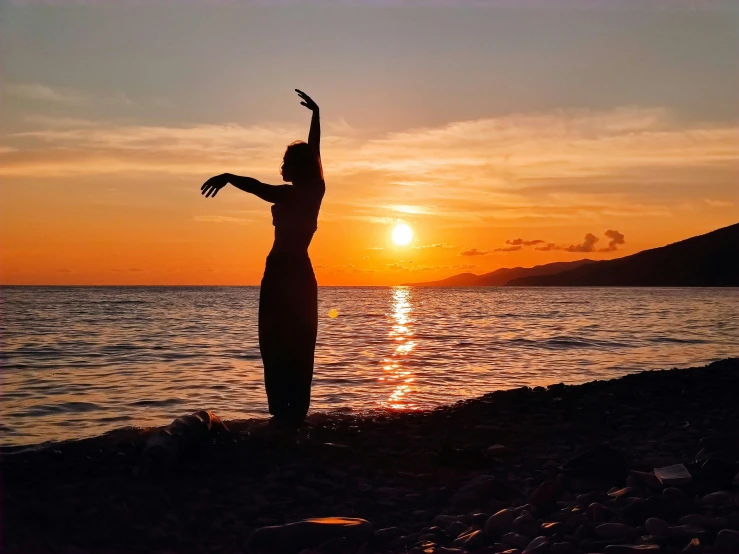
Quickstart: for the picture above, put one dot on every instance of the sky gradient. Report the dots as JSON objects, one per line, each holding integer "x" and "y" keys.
{"x": 503, "y": 133}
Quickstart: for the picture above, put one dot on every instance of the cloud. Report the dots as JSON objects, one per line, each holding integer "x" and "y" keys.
{"x": 437, "y": 245}
{"x": 617, "y": 239}
{"x": 474, "y": 252}
{"x": 718, "y": 203}
{"x": 587, "y": 245}
{"x": 521, "y": 242}
{"x": 62, "y": 95}
{"x": 220, "y": 219}
{"x": 509, "y": 248}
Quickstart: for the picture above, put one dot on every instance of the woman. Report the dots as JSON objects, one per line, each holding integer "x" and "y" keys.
{"x": 288, "y": 304}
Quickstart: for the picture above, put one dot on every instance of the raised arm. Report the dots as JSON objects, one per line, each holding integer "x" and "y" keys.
{"x": 314, "y": 136}
{"x": 269, "y": 193}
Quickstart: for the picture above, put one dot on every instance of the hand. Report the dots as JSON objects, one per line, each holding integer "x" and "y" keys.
{"x": 307, "y": 101}
{"x": 214, "y": 184}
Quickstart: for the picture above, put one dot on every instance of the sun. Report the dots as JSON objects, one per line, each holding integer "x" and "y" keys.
{"x": 402, "y": 234}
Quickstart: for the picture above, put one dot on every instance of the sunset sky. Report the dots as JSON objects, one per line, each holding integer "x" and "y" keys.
{"x": 503, "y": 133}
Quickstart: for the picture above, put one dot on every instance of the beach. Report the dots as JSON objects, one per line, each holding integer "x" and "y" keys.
{"x": 564, "y": 468}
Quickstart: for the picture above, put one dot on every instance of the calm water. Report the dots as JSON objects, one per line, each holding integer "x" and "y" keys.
{"x": 80, "y": 361}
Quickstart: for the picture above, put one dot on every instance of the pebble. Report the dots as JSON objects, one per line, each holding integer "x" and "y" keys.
{"x": 457, "y": 528}
{"x": 309, "y": 533}
{"x": 477, "y": 492}
{"x": 538, "y": 545}
{"x": 716, "y": 498}
{"x": 632, "y": 548}
{"x": 615, "y": 531}
{"x": 562, "y": 548}
{"x": 500, "y": 522}
{"x": 656, "y": 527}
{"x": 727, "y": 541}
{"x": 701, "y": 520}
{"x": 545, "y": 495}
{"x": 514, "y": 539}
{"x": 526, "y": 524}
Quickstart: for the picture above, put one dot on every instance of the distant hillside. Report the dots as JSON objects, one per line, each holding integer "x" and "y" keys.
{"x": 501, "y": 276}
{"x": 710, "y": 260}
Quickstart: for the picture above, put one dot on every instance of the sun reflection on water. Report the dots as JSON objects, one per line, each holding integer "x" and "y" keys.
{"x": 396, "y": 368}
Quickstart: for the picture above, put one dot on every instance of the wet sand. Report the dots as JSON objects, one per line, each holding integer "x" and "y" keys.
{"x": 426, "y": 482}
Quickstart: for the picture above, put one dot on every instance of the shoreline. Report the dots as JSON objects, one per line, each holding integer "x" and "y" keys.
{"x": 426, "y": 481}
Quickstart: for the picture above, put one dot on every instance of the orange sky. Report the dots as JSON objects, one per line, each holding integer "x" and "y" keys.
{"x": 104, "y": 146}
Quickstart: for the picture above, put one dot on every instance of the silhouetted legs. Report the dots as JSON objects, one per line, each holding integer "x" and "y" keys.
{"x": 288, "y": 323}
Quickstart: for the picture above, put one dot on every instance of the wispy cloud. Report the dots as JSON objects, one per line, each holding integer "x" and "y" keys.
{"x": 221, "y": 219}
{"x": 437, "y": 245}
{"x": 474, "y": 252}
{"x": 63, "y": 95}
{"x": 718, "y": 203}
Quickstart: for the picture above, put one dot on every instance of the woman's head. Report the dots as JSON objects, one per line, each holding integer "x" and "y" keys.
{"x": 300, "y": 163}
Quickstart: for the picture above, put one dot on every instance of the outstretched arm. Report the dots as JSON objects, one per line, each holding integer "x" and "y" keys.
{"x": 314, "y": 136}
{"x": 269, "y": 193}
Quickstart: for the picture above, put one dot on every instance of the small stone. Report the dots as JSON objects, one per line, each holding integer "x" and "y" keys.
{"x": 546, "y": 495}
{"x": 388, "y": 533}
{"x": 727, "y": 541}
{"x": 526, "y": 524}
{"x": 694, "y": 546}
{"x": 538, "y": 545}
{"x": 310, "y": 533}
{"x": 615, "y": 531}
{"x": 717, "y": 498}
{"x": 444, "y": 521}
{"x": 550, "y": 528}
{"x": 474, "y": 540}
{"x": 632, "y": 548}
{"x": 514, "y": 539}
{"x": 479, "y": 491}
{"x": 499, "y": 451}
{"x": 701, "y": 520}
{"x": 656, "y": 527}
{"x": 457, "y": 528}
{"x": 500, "y": 522}
{"x": 562, "y": 548}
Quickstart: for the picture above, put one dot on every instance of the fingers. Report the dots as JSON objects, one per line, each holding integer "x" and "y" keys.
{"x": 304, "y": 104}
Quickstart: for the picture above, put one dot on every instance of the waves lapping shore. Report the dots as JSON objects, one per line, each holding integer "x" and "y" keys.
{"x": 497, "y": 473}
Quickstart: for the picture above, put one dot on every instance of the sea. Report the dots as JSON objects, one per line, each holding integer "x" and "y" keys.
{"x": 79, "y": 361}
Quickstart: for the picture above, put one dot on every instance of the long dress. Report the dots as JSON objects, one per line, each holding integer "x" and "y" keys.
{"x": 288, "y": 309}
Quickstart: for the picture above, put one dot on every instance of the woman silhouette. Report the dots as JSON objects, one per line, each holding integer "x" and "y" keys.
{"x": 288, "y": 298}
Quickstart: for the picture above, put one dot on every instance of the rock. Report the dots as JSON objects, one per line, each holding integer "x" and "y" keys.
{"x": 499, "y": 451}
{"x": 701, "y": 520}
{"x": 550, "y": 528}
{"x": 473, "y": 540}
{"x": 676, "y": 474}
{"x": 645, "y": 479}
{"x": 632, "y": 548}
{"x": 694, "y": 546}
{"x": 539, "y": 545}
{"x": 717, "y": 498}
{"x": 477, "y": 492}
{"x": 656, "y": 527}
{"x": 727, "y": 541}
{"x": 622, "y": 493}
{"x": 514, "y": 539}
{"x": 310, "y": 533}
{"x": 562, "y": 548}
{"x": 615, "y": 531}
{"x": 387, "y": 534}
{"x": 657, "y": 506}
{"x": 685, "y": 531}
{"x": 546, "y": 495}
{"x": 444, "y": 521}
{"x": 525, "y": 524}
{"x": 457, "y": 528}
{"x": 500, "y": 522}
{"x": 602, "y": 463}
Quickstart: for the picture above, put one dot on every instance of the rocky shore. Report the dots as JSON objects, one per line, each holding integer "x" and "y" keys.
{"x": 558, "y": 470}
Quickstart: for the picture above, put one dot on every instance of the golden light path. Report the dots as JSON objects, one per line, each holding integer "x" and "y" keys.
{"x": 396, "y": 372}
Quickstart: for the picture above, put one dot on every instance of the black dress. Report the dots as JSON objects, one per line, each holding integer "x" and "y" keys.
{"x": 288, "y": 309}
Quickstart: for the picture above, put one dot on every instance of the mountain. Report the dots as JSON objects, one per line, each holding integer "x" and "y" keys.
{"x": 502, "y": 276}
{"x": 710, "y": 260}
